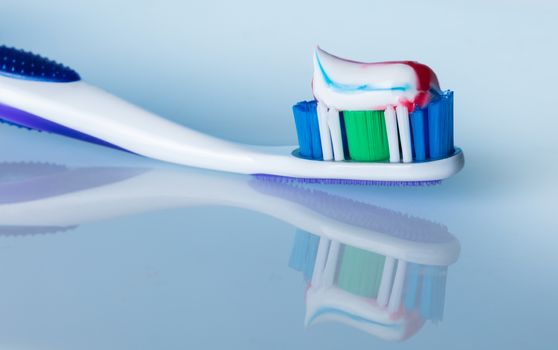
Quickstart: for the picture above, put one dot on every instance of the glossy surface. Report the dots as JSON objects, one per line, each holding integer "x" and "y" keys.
{"x": 218, "y": 277}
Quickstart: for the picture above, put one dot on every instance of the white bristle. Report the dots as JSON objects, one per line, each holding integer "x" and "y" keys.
{"x": 387, "y": 279}
{"x": 398, "y": 284}
{"x": 331, "y": 263}
{"x": 319, "y": 264}
{"x": 404, "y": 133}
{"x": 324, "y": 131}
{"x": 335, "y": 129}
{"x": 392, "y": 135}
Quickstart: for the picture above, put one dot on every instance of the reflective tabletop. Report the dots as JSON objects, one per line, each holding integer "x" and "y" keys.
{"x": 101, "y": 249}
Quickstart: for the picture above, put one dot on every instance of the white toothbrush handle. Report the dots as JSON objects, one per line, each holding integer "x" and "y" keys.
{"x": 95, "y": 112}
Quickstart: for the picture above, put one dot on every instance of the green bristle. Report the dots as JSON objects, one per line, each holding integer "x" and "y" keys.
{"x": 360, "y": 272}
{"x": 366, "y": 135}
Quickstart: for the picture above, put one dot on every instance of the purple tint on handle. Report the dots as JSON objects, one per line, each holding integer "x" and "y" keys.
{"x": 288, "y": 179}
{"x": 61, "y": 183}
{"x": 11, "y": 231}
{"x": 27, "y": 120}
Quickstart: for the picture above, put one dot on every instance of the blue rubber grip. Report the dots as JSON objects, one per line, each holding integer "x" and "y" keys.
{"x": 21, "y": 64}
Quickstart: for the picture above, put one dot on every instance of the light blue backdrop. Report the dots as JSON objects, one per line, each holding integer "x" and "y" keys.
{"x": 234, "y": 68}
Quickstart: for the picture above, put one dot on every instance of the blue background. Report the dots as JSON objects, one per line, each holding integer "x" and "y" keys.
{"x": 233, "y": 69}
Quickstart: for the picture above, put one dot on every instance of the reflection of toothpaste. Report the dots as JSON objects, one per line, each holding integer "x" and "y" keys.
{"x": 354, "y": 86}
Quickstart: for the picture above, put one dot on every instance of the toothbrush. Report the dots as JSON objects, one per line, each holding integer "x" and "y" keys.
{"x": 41, "y": 94}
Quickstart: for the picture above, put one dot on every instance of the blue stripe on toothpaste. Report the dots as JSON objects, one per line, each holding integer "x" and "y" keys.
{"x": 356, "y": 88}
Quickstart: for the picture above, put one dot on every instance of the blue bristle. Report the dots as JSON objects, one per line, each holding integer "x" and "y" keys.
{"x": 425, "y": 290}
{"x": 307, "y": 129}
{"x": 440, "y": 126}
{"x": 303, "y": 254}
{"x": 419, "y": 133}
{"x": 433, "y": 292}
{"x": 426, "y": 296}
{"x": 343, "y": 134}
{"x": 300, "y": 112}
{"x": 411, "y": 286}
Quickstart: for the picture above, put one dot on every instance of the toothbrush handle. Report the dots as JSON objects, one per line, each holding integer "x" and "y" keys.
{"x": 97, "y": 113}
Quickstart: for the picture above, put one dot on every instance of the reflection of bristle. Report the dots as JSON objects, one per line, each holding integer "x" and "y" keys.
{"x": 360, "y": 271}
{"x": 425, "y": 290}
{"x": 394, "y": 284}
{"x": 303, "y": 254}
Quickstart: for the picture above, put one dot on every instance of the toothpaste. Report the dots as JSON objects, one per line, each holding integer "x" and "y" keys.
{"x": 355, "y": 86}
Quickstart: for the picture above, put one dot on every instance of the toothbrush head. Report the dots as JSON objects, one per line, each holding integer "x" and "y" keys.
{"x": 391, "y": 115}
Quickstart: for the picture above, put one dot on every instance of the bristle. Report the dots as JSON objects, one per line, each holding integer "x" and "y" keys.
{"x": 420, "y": 134}
{"x": 307, "y": 129}
{"x": 374, "y": 135}
{"x": 440, "y": 126}
{"x": 432, "y": 129}
{"x": 325, "y": 136}
{"x": 425, "y": 290}
{"x": 320, "y": 261}
{"x": 404, "y": 133}
{"x": 288, "y": 179}
{"x": 334, "y": 124}
{"x": 303, "y": 253}
{"x": 360, "y": 271}
{"x": 366, "y": 135}
{"x": 387, "y": 280}
{"x": 392, "y": 135}
{"x": 330, "y": 269}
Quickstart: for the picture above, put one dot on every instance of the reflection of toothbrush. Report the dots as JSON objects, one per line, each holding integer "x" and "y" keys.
{"x": 351, "y": 244}
{"x": 387, "y": 287}
{"x": 72, "y": 196}
{"x": 382, "y": 294}
{"x": 43, "y": 95}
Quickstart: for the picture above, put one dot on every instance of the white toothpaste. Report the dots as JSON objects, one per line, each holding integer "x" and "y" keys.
{"x": 356, "y": 86}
